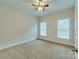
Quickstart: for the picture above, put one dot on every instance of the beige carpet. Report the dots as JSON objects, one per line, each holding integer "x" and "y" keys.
{"x": 37, "y": 49}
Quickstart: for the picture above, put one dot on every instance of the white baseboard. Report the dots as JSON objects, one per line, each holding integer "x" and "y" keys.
{"x": 53, "y": 41}
{"x": 14, "y": 44}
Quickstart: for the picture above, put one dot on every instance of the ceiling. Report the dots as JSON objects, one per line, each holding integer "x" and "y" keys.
{"x": 26, "y": 6}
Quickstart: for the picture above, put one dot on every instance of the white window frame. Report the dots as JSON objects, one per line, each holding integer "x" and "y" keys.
{"x": 63, "y": 30}
{"x": 43, "y": 30}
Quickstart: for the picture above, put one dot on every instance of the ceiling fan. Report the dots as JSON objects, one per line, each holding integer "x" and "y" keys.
{"x": 40, "y": 5}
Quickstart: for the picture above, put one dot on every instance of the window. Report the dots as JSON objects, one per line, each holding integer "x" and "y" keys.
{"x": 43, "y": 28}
{"x": 64, "y": 29}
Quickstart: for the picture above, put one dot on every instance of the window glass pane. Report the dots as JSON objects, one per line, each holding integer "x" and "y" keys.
{"x": 64, "y": 29}
{"x": 43, "y": 28}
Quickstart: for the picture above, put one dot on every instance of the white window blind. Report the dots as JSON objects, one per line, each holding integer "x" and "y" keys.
{"x": 43, "y": 28}
{"x": 64, "y": 29}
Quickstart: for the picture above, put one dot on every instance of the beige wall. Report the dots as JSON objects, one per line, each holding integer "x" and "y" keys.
{"x": 52, "y": 25}
{"x": 16, "y": 26}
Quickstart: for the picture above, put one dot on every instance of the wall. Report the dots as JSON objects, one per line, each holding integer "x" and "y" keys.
{"x": 52, "y": 25}
{"x": 16, "y": 27}
{"x": 76, "y": 25}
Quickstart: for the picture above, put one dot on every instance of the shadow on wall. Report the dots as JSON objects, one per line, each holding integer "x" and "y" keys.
{"x": 15, "y": 27}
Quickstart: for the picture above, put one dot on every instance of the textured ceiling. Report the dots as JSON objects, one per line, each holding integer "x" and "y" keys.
{"x": 26, "y": 6}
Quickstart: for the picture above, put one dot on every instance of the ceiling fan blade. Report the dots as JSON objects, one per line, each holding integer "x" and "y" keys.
{"x": 46, "y": 5}
{"x": 34, "y": 5}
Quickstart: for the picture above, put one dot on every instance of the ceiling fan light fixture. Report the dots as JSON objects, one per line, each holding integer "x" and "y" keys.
{"x": 40, "y": 5}
{"x": 40, "y": 9}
